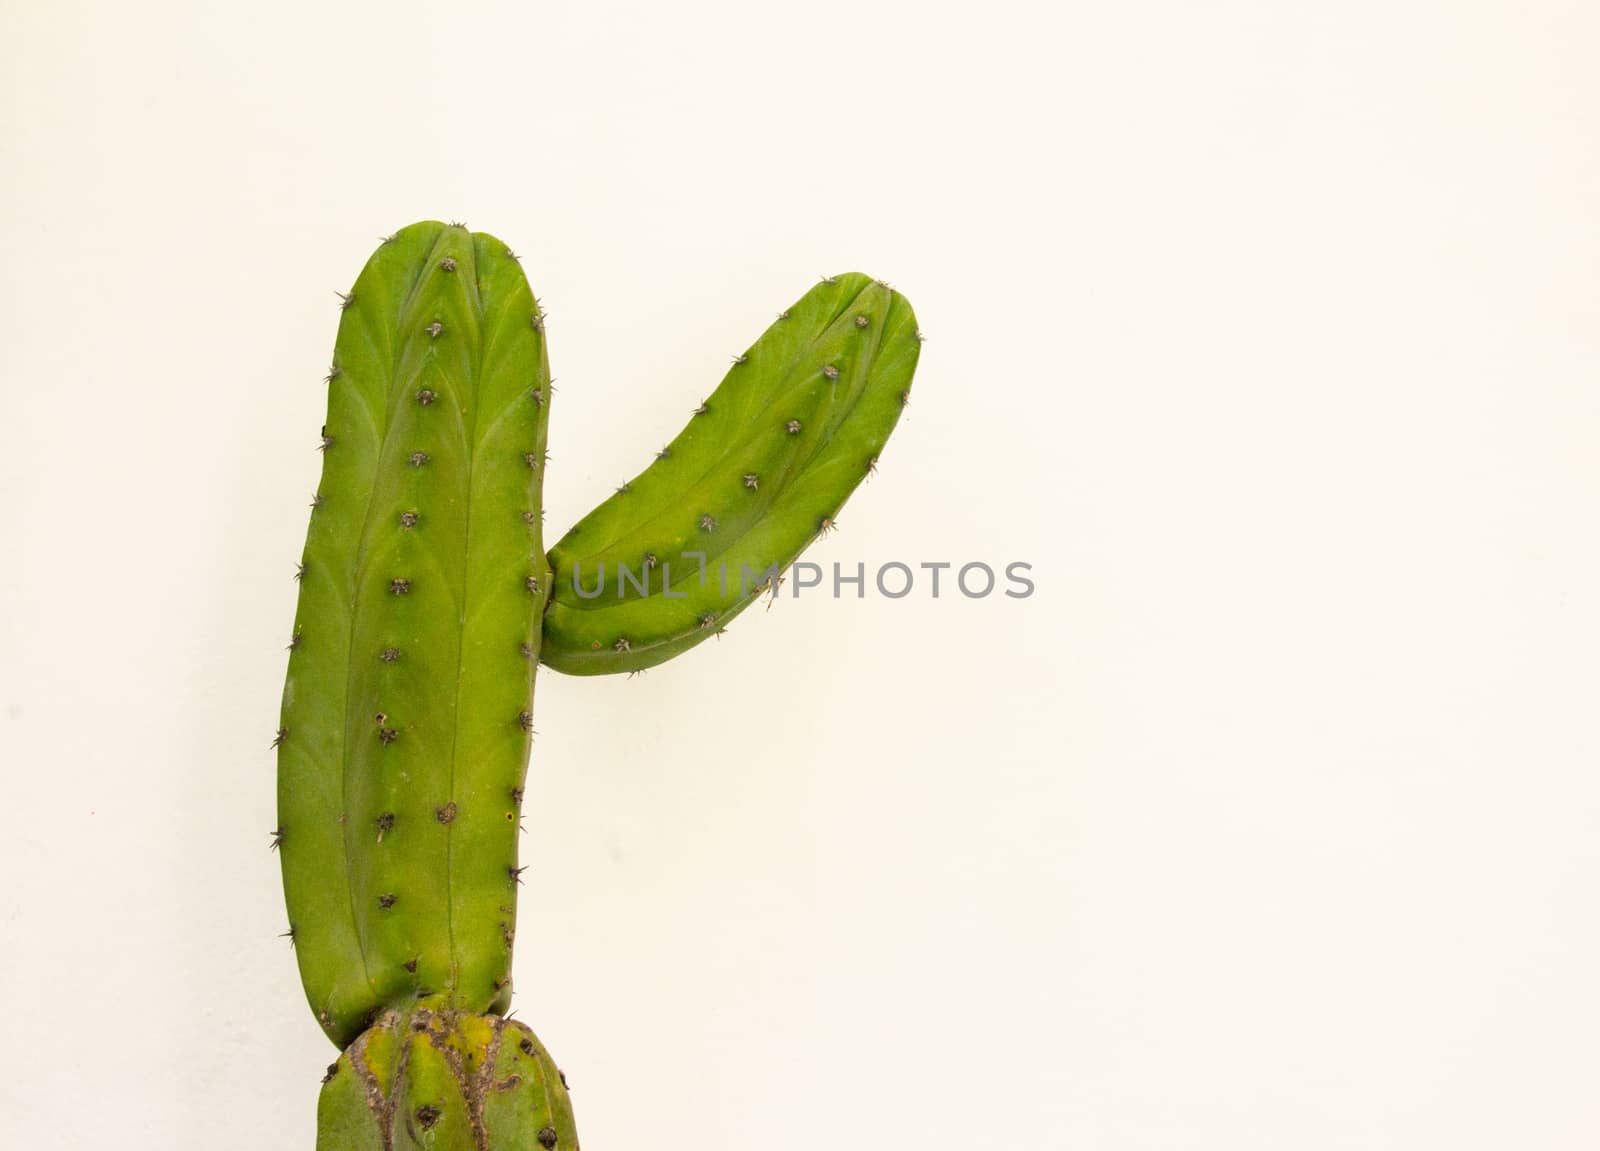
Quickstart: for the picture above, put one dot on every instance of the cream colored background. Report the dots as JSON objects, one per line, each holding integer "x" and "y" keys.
{"x": 1266, "y": 331}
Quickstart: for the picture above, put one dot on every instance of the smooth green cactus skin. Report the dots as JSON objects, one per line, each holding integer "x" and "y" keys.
{"x": 760, "y": 471}
{"x": 407, "y": 712}
{"x": 431, "y": 1076}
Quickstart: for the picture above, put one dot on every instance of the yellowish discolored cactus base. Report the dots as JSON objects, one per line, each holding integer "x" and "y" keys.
{"x": 430, "y": 1076}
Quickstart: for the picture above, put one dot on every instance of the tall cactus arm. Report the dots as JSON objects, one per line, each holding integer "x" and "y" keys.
{"x": 406, "y": 715}
{"x": 761, "y": 469}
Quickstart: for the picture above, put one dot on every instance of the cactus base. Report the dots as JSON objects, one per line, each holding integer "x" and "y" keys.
{"x": 431, "y": 1076}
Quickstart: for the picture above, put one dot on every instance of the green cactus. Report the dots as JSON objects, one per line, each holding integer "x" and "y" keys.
{"x": 759, "y": 472}
{"x": 428, "y": 1075}
{"x": 427, "y": 603}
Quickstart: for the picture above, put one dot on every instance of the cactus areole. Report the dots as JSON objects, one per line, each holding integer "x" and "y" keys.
{"x": 427, "y": 601}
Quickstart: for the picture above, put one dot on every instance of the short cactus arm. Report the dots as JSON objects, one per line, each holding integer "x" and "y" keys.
{"x": 762, "y": 468}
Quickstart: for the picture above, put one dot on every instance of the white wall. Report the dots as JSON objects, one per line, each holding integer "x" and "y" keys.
{"x": 1265, "y": 331}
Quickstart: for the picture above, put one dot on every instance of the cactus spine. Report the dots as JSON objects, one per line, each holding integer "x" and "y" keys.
{"x": 427, "y": 603}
